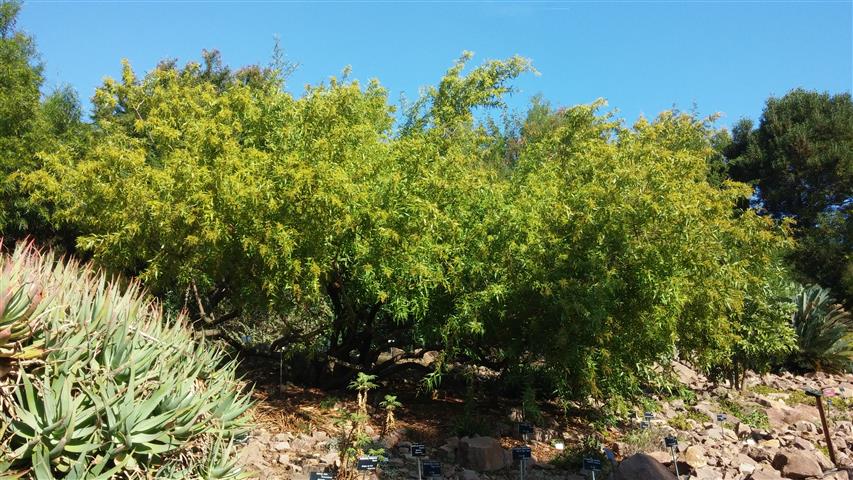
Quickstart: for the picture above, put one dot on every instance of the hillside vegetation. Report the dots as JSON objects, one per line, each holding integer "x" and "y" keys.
{"x": 337, "y": 234}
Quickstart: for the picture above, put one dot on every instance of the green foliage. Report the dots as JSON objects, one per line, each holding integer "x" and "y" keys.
{"x": 572, "y": 457}
{"x": 390, "y": 404}
{"x": 752, "y": 415}
{"x": 569, "y": 240}
{"x": 638, "y": 440}
{"x": 800, "y": 157}
{"x": 362, "y": 384}
{"x": 119, "y": 388}
{"x": 353, "y": 441}
{"x": 798, "y": 397}
{"x": 824, "y": 332}
{"x": 680, "y": 422}
{"x": 28, "y": 125}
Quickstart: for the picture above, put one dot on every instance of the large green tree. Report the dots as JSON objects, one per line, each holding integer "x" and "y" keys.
{"x": 800, "y": 158}
{"x": 29, "y": 124}
{"x": 611, "y": 250}
{"x": 570, "y": 241}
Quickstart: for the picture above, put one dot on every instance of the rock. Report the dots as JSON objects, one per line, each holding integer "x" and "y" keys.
{"x": 802, "y": 444}
{"x": 746, "y": 468}
{"x": 796, "y": 464}
{"x": 302, "y": 443}
{"x": 824, "y": 462}
{"x": 707, "y": 473}
{"x": 447, "y": 453}
{"x": 253, "y": 454}
{"x": 804, "y": 426}
{"x": 686, "y": 375}
{"x": 765, "y": 474}
{"x": 284, "y": 459}
{"x": 331, "y": 458}
{"x": 781, "y": 418}
{"x": 280, "y": 446}
{"x": 469, "y": 475}
{"x": 760, "y": 454}
{"x": 695, "y": 457}
{"x": 483, "y": 454}
{"x": 642, "y": 466}
{"x": 772, "y": 443}
{"x": 429, "y": 358}
{"x": 742, "y": 430}
{"x": 665, "y": 458}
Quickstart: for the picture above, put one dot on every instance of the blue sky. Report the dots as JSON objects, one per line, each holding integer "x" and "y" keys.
{"x": 643, "y": 57}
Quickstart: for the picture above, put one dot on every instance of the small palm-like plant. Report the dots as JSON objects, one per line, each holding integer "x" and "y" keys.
{"x": 390, "y": 404}
{"x": 824, "y": 332}
{"x": 362, "y": 384}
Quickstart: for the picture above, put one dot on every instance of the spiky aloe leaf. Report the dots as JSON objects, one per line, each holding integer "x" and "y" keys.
{"x": 120, "y": 387}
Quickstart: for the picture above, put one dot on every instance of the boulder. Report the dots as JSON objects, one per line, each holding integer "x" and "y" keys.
{"x": 695, "y": 457}
{"x": 780, "y": 418}
{"x": 665, "y": 458}
{"x": 765, "y": 474}
{"x": 483, "y": 454}
{"x": 797, "y": 464}
{"x": 642, "y": 467}
{"x": 469, "y": 475}
{"x": 707, "y": 473}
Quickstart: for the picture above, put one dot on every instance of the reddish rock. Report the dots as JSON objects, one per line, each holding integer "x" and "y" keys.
{"x": 483, "y": 454}
{"x": 797, "y": 464}
{"x": 642, "y": 467}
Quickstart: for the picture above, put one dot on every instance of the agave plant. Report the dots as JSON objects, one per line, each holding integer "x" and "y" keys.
{"x": 21, "y": 308}
{"x": 824, "y": 332}
{"x": 119, "y": 387}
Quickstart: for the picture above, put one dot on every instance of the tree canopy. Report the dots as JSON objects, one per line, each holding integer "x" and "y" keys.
{"x": 800, "y": 158}
{"x": 568, "y": 239}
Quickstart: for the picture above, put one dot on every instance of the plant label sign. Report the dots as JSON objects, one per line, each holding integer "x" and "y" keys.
{"x": 670, "y": 441}
{"x": 645, "y": 424}
{"x": 418, "y": 450}
{"x": 520, "y": 453}
{"x": 525, "y": 428}
{"x": 321, "y": 476}
{"x": 592, "y": 464}
{"x": 432, "y": 469}
{"x": 647, "y": 416}
{"x": 721, "y": 417}
{"x": 367, "y": 463}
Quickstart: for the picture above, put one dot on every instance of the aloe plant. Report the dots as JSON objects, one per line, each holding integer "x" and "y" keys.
{"x": 104, "y": 384}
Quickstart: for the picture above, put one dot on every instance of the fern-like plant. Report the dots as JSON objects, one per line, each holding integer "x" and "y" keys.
{"x": 824, "y": 332}
{"x": 362, "y": 384}
{"x": 390, "y": 404}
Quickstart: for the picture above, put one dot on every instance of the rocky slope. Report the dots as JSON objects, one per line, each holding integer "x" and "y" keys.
{"x": 771, "y": 430}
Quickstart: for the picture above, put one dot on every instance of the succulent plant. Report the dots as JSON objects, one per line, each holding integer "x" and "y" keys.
{"x": 118, "y": 387}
